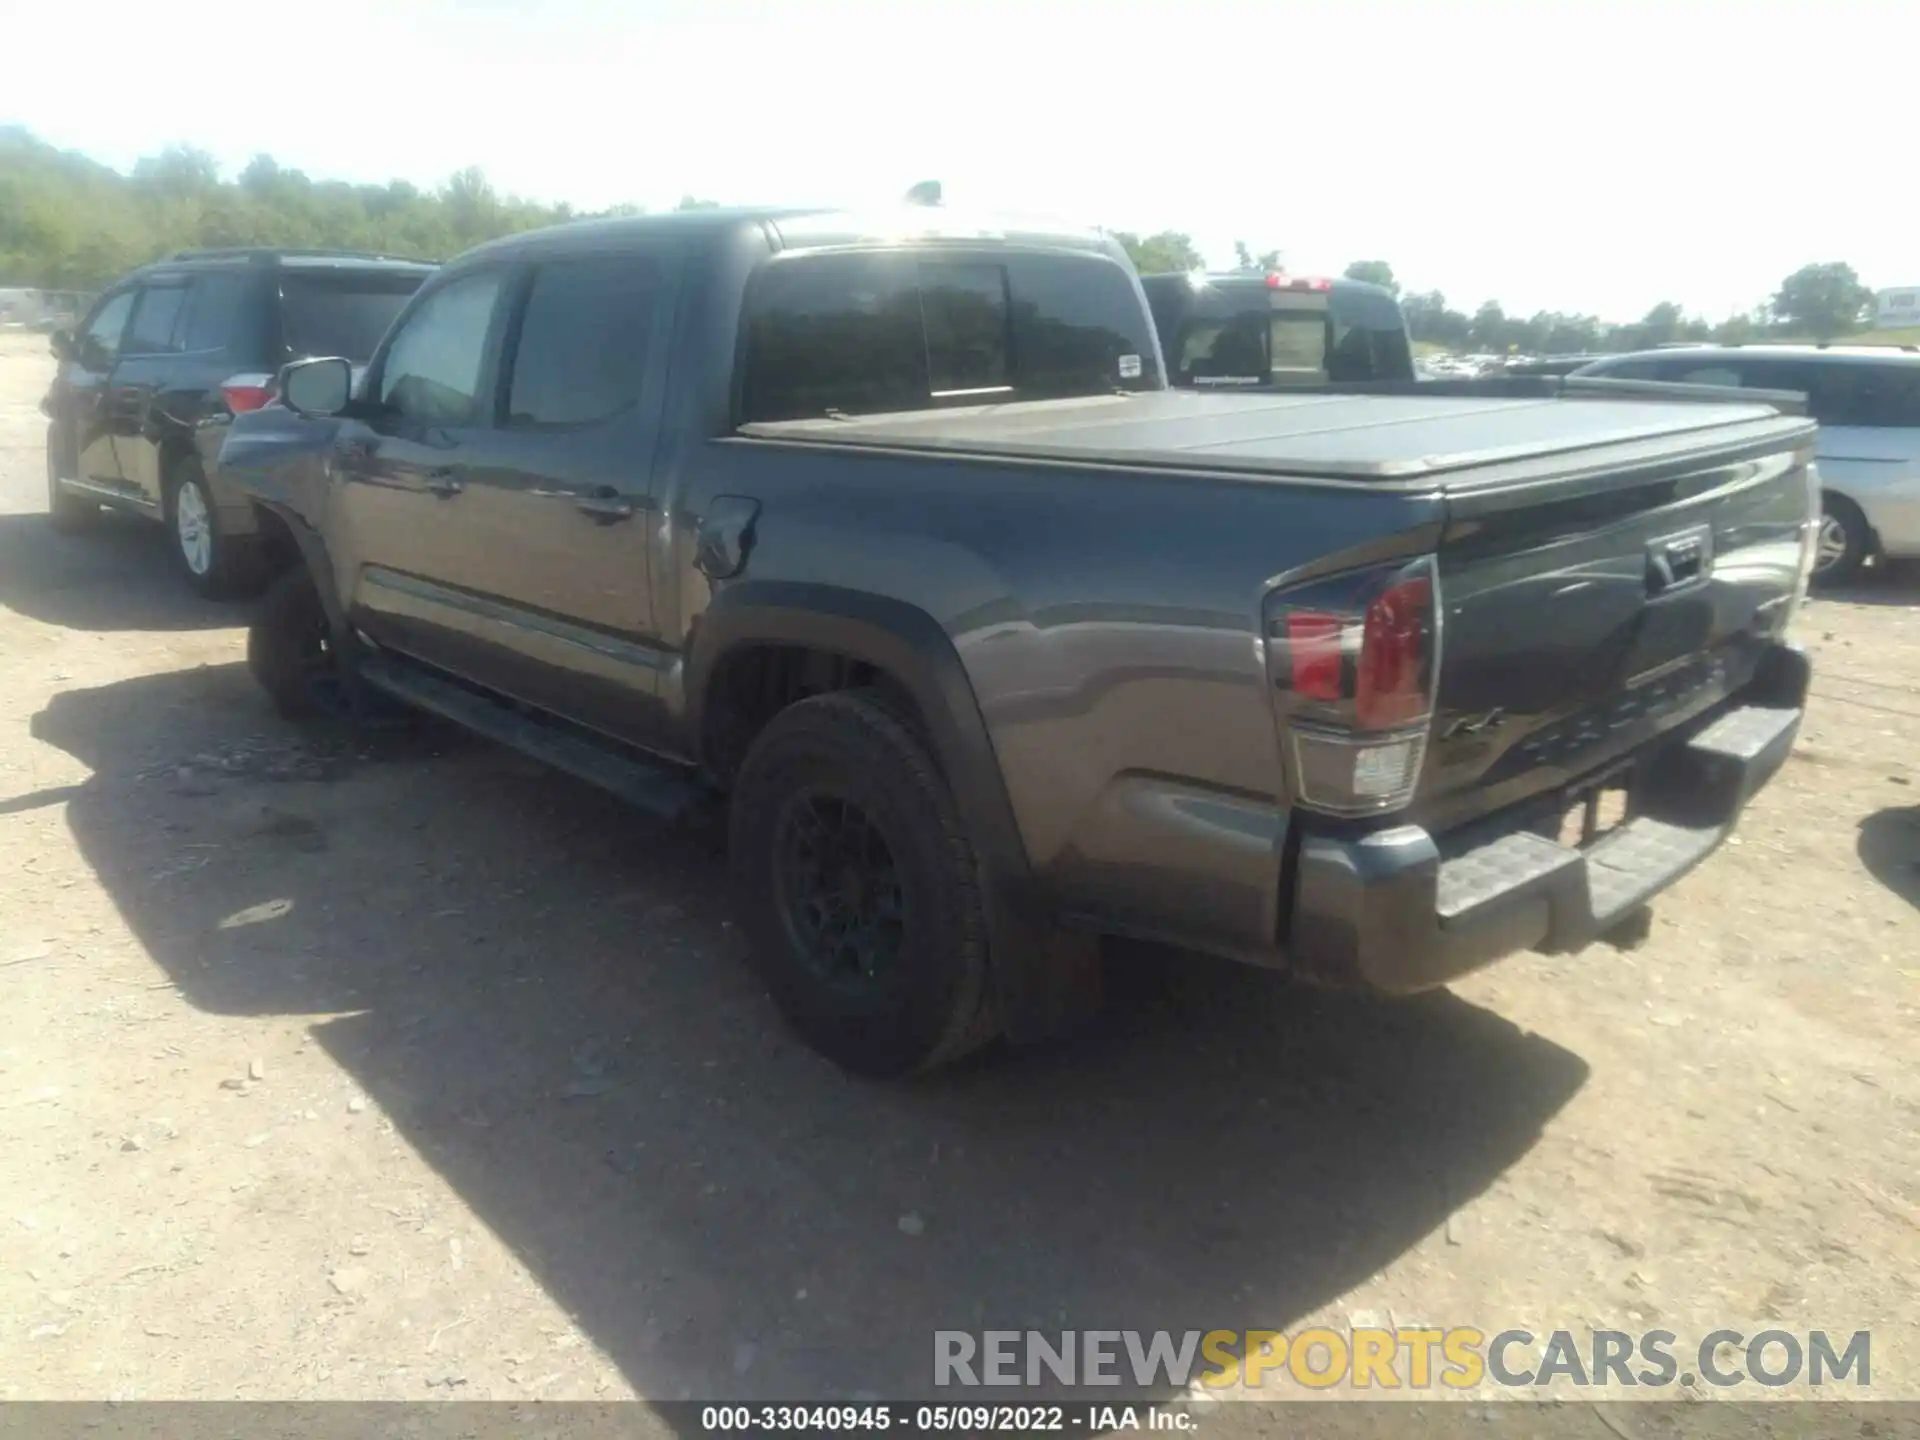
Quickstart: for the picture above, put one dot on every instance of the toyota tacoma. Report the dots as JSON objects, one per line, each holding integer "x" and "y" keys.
{"x": 887, "y": 533}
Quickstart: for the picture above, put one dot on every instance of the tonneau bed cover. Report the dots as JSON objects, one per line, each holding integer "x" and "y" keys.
{"x": 1383, "y": 433}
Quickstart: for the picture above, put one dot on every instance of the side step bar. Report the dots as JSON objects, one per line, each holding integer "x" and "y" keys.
{"x": 656, "y": 786}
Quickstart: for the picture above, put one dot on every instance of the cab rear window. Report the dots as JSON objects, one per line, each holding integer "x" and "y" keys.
{"x": 1243, "y": 335}
{"x": 869, "y": 333}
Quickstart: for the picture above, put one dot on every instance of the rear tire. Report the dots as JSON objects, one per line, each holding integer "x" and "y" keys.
{"x": 215, "y": 565}
{"x": 67, "y": 512}
{"x": 859, "y": 889}
{"x": 1844, "y": 541}
{"x": 291, "y": 653}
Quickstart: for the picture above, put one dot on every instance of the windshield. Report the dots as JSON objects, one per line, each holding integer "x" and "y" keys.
{"x": 344, "y": 314}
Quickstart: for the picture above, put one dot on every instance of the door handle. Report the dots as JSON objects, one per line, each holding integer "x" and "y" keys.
{"x": 605, "y": 506}
{"x": 444, "y": 483}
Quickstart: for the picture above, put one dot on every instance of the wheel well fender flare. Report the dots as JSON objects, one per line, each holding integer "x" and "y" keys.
{"x": 894, "y": 637}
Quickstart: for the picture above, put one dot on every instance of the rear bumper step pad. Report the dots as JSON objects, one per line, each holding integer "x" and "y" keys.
{"x": 1390, "y": 912}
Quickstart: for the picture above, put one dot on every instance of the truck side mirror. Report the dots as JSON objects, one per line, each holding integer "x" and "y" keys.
{"x": 61, "y": 343}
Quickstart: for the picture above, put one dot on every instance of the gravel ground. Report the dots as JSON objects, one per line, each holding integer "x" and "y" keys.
{"x": 406, "y": 1069}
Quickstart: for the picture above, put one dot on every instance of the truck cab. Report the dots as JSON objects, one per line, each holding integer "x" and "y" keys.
{"x": 1248, "y": 330}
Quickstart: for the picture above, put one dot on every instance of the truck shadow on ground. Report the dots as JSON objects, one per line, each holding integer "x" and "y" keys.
{"x": 549, "y": 1002}
{"x": 116, "y": 576}
{"x": 1889, "y": 847}
{"x": 1885, "y": 582}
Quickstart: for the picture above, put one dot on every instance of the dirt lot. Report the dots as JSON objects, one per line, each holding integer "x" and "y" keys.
{"x": 409, "y": 1069}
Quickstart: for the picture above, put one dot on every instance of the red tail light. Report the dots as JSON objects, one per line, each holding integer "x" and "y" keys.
{"x": 1277, "y": 281}
{"x": 1391, "y": 687}
{"x": 1354, "y": 661}
{"x": 247, "y": 392}
{"x": 1313, "y": 646}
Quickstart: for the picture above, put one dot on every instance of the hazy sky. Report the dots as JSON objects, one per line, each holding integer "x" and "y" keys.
{"x": 1580, "y": 156}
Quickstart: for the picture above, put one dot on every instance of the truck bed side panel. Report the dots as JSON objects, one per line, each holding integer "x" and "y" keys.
{"x": 1109, "y": 625}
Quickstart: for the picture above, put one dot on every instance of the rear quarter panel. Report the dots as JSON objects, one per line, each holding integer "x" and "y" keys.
{"x": 1108, "y": 624}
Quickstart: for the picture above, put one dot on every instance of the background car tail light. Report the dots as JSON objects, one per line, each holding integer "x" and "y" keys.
{"x": 1354, "y": 659}
{"x": 247, "y": 392}
{"x": 1277, "y": 281}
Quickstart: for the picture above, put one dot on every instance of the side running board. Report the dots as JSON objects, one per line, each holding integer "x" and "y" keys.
{"x": 660, "y": 788}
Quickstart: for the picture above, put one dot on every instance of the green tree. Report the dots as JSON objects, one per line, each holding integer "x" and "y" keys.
{"x": 1168, "y": 252}
{"x": 1662, "y": 324}
{"x": 1431, "y": 322}
{"x": 67, "y": 222}
{"x": 1489, "y": 328}
{"x": 1245, "y": 259}
{"x": 1374, "y": 272}
{"x": 689, "y": 202}
{"x": 1824, "y": 301}
{"x": 178, "y": 170}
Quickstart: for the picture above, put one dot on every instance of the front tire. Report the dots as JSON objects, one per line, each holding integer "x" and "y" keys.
{"x": 291, "y": 652}
{"x": 1844, "y": 541}
{"x": 859, "y": 890}
{"x": 215, "y": 565}
{"x": 68, "y": 513}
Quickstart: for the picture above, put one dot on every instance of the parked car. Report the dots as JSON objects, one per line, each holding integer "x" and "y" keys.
{"x": 1867, "y": 400}
{"x": 885, "y": 532}
{"x": 1250, "y": 329}
{"x": 166, "y": 358}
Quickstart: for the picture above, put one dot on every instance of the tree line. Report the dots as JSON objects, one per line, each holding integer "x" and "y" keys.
{"x": 1820, "y": 301}
{"x": 70, "y": 223}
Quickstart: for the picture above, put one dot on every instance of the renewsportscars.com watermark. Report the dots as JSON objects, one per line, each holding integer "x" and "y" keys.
{"x": 1407, "y": 1358}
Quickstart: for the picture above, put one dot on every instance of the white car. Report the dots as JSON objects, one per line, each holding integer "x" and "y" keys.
{"x": 1867, "y": 400}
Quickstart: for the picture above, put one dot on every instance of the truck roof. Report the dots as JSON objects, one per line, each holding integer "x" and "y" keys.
{"x": 1837, "y": 353}
{"x": 813, "y": 227}
{"x": 1317, "y": 433}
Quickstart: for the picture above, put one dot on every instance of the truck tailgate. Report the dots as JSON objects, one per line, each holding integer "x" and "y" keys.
{"x": 1585, "y": 613}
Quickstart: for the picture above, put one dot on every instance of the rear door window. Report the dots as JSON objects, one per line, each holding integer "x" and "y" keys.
{"x": 1875, "y": 396}
{"x": 1622, "y": 370}
{"x": 154, "y": 319}
{"x": 1898, "y": 397}
{"x": 1708, "y": 375}
{"x": 584, "y": 336}
{"x": 216, "y": 312}
{"x": 341, "y": 312}
{"x": 869, "y": 333}
{"x": 1789, "y": 374}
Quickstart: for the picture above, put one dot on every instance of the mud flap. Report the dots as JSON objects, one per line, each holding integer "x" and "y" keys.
{"x": 1047, "y": 979}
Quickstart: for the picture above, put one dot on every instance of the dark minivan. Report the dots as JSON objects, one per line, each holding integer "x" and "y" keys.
{"x": 1245, "y": 329}
{"x": 152, "y": 377}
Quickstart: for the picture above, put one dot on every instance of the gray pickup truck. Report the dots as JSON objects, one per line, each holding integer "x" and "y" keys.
{"x": 887, "y": 531}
